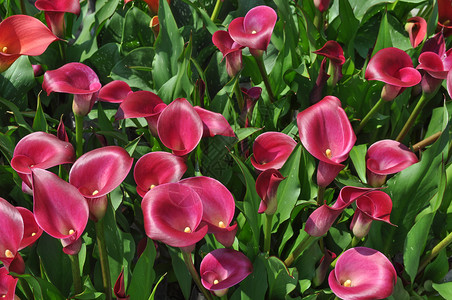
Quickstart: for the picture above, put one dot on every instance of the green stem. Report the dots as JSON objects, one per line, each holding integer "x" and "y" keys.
{"x": 238, "y": 95}
{"x": 216, "y": 10}
{"x": 78, "y": 135}
{"x": 369, "y": 115}
{"x": 435, "y": 251}
{"x": 426, "y": 142}
{"x": 318, "y": 20}
{"x": 300, "y": 248}
{"x": 414, "y": 114}
{"x": 62, "y": 48}
{"x": 198, "y": 160}
{"x": 194, "y": 274}
{"x": 355, "y": 241}
{"x": 77, "y": 279}
{"x": 26, "y": 288}
{"x": 268, "y": 233}
{"x": 261, "y": 66}
{"x": 320, "y": 195}
{"x": 103, "y": 256}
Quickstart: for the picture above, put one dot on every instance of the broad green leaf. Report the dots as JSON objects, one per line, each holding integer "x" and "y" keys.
{"x": 255, "y": 285}
{"x": 136, "y": 31}
{"x": 151, "y": 297}
{"x": 383, "y": 38}
{"x": 349, "y": 25}
{"x": 243, "y": 133}
{"x": 17, "y": 81}
{"x": 104, "y": 59}
{"x": 42, "y": 289}
{"x": 143, "y": 275}
{"x": 6, "y": 145}
{"x": 444, "y": 289}
{"x": 399, "y": 292}
{"x": 438, "y": 268}
{"x": 39, "y": 122}
{"x": 180, "y": 270}
{"x": 281, "y": 280}
{"x": 358, "y": 157}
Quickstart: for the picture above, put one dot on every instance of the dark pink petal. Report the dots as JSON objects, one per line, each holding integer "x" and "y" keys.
{"x": 37, "y": 70}
{"x": 119, "y": 289}
{"x": 323, "y": 267}
{"x": 250, "y": 97}
{"x": 362, "y": 273}
{"x": 214, "y": 123}
{"x": 417, "y": 30}
{"x": 22, "y": 35}
{"x": 156, "y": 168}
{"x": 179, "y": 127}
{"x": 316, "y": 93}
{"x": 172, "y": 214}
{"x": 231, "y": 50}
{"x": 255, "y": 29}
{"x": 7, "y": 285}
{"x": 70, "y": 6}
{"x": 223, "y": 268}
{"x": 431, "y": 63}
{"x": 333, "y": 51}
{"x": 32, "y": 231}
{"x": 17, "y": 265}
{"x": 444, "y": 17}
{"x": 326, "y": 172}
{"x": 61, "y": 131}
{"x": 322, "y": 5}
{"x": 267, "y": 187}
{"x": 271, "y": 150}
{"x": 11, "y": 231}
{"x": 114, "y": 92}
{"x": 59, "y": 208}
{"x": 449, "y": 82}
{"x": 435, "y": 44}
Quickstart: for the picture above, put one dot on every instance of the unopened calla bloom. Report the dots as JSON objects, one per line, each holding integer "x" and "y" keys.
{"x": 172, "y": 214}
{"x": 77, "y": 79}
{"x": 114, "y": 92}
{"x": 327, "y": 134}
{"x": 97, "y": 173}
{"x": 321, "y": 219}
{"x": 179, "y": 127}
{"x": 395, "y": 68}
{"x": 267, "y": 187}
{"x": 333, "y": 51}
{"x": 223, "y": 268}
{"x": 322, "y": 269}
{"x": 119, "y": 288}
{"x": 155, "y": 25}
{"x": 60, "y": 210}
{"x": 54, "y": 12}
{"x": 417, "y": 30}
{"x": 213, "y": 123}
{"x": 250, "y": 97}
{"x": 37, "y": 70}
{"x": 271, "y": 150}
{"x": 40, "y": 150}
{"x": 22, "y": 35}
{"x": 231, "y": 51}
{"x": 445, "y": 17}
{"x": 255, "y": 29}
{"x": 156, "y": 168}
{"x": 375, "y": 205}
{"x": 362, "y": 273}
{"x": 387, "y": 157}
{"x": 322, "y": 5}
{"x": 218, "y": 207}
{"x": 7, "y": 285}
{"x": 316, "y": 93}
{"x": 142, "y": 104}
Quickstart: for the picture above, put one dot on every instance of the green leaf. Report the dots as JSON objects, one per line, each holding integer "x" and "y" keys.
{"x": 17, "y": 81}
{"x": 104, "y": 59}
{"x": 143, "y": 275}
{"x": 358, "y": 157}
{"x": 243, "y": 133}
{"x": 437, "y": 269}
{"x": 349, "y": 24}
{"x": 6, "y": 145}
{"x": 180, "y": 270}
{"x": 151, "y": 297}
{"x": 383, "y": 38}
{"x": 255, "y": 285}
{"x": 444, "y": 289}
{"x": 281, "y": 280}
{"x": 39, "y": 122}
{"x": 136, "y": 32}
{"x": 42, "y": 289}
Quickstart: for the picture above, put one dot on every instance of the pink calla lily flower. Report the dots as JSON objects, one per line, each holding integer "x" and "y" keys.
{"x": 387, "y": 157}
{"x": 142, "y": 104}
{"x": 362, "y": 273}
{"x": 59, "y": 208}
{"x": 223, "y": 268}
{"x": 327, "y": 134}
{"x": 179, "y": 127}
{"x": 322, "y": 5}
{"x": 77, "y": 79}
{"x": 417, "y": 30}
{"x": 375, "y": 205}
{"x": 271, "y": 150}
{"x": 97, "y": 173}
{"x": 255, "y": 29}
{"x": 267, "y": 187}
{"x": 11, "y": 232}
{"x": 218, "y": 207}
{"x": 333, "y": 51}
{"x": 22, "y": 35}
{"x": 444, "y": 17}
{"x": 321, "y": 219}
{"x": 114, "y": 92}
{"x": 31, "y": 229}
{"x": 172, "y": 214}
{"x": 156, "y": 168}
{"x": 7, "y": 285}
{"x": 322, "y": 269}
{"x": 231, "y": 51}
{"x": 214, "y": 123}
{"x": 54, "y": 12}
{"x": 395, "y": 68}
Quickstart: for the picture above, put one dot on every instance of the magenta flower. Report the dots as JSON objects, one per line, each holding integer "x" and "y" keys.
{"x": 179, "y": 127}
{"x": 60, "y": 210}
{"x": 417, "y": 30}
{"x": 119, "y": 288}
{"x": 316, "y": 93}
{"x": 271, "y": 150}
{"x": 375, "y": 205}
{"x": 156, "y": 168}
{"x": 395, "y": 68}
{"x": 114, "y": 92}
{"x": 22, "y": 35}
{"x": 213, "y": 123}
{"x": 54, "y": 12}
{"x": 267, "y": 187}
{"x": 444, "y": 17}
{"x": 97, "y": 173}
{"x": 31, "y": 229}
{"x": 172, "y": 214}
{"x": 142, "y": 104}
{"x": 322, "y": 269}
{"x": 40, "y": 150}
{"x": 223, "y": 268}
{"x": 250, "y": 97}
{"x": 255, "y": 29}
{"x": 231, "y": 51}
{"x": 333, "y": 51}
{"x": 322, "y": 5}
{"x": 321, "y": 219}
{"x": 387, "y": 157}
{"x": 327, "y": 134}
{"x": 362, "y": 273}
{"x": 77, "y": 79}
{"x": 11, "y": 232}
{"x": 37, "y": 70}
{"x": 7, "y": 285}
{"x": 218, "y": 207}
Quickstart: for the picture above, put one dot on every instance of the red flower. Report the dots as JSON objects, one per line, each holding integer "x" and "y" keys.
{"x": 333, "y": 51}
{"x": 77, "y": 79}
{"x": 267, "y": 187}
{"x": 213, "y": 123}
{"x": 327, "y": 134}
{"x": 11, "y": 232}
{"x": 395, "y": 68}
{"x": 54, "y": 12}
{"x": 362, "y": 273}
{"x": 119, "y": 289}
{"x": 114, "y": 92}
{"x": 417, "y": 30}
{"x": 271, "y": 150}
{"x": 231, "y": 51}
{"x": 322, "y": 5}
{"x": 7, "y": 285}
{"x": 445, "y": 17}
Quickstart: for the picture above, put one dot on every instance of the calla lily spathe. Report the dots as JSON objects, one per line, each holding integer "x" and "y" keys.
{"x": 417, "y": 30}
{"x": 267, "y": 187}
{"x": 231, "y": 51}
{"x": 271, "y": 150}
{"x": 54, "y": 12}
{"x": 114, "y": 92}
